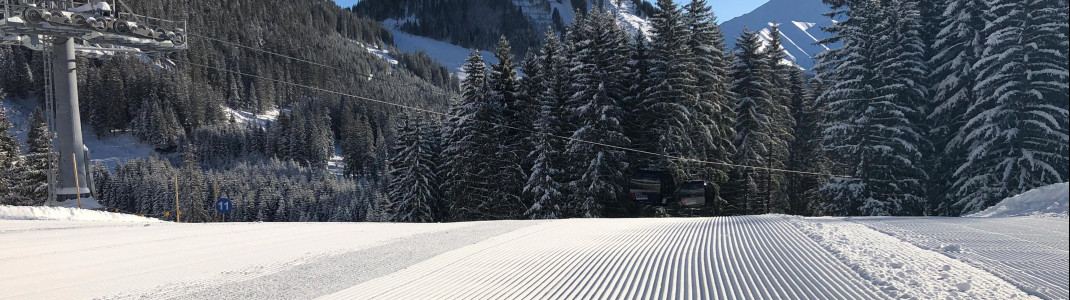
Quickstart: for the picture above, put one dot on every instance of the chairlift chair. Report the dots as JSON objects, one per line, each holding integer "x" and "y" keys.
{"x": 651, "y": 187}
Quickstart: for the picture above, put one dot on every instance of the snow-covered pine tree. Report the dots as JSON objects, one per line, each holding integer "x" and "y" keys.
{"x": 905, "y": 67}
{"x": 434, "y": 142}
{"x": 504, "y": 85}
{"x": 467, "y": 173}
{"x": 956, "y": 49}
{"x": 598, "y": 81}
{"x": 804, "y": 150}
{"x": 194, "y": 192}
{"x": 750, "y": 190}
{"x": 38, "y": 150}
{"x": 358, "y": 146}
{"x": 413, "y": 189}
{"x": 781, "y": 120}
{"x": 637, "y": 119}
{"x": 13, "y": 173}
{"x": 544, "y": 187}
{"x": 1016, "y": 130}
{"x": 672, "y": 96}
{"x": 714, "y": 116}
{"x": 871, "y": 131}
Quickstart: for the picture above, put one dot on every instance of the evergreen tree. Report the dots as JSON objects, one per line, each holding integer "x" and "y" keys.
{"x": 804, "y": 150}
{"x": 714, "y": 117}
{"x": 509, "y": 119}
{"x": 872, "y": 133}
{"x": 754, "y": 135}
{"x": 13, "y": 172}
{"x": 467, "y": 173}
{"x": 413, "y": 182}
{"x": 39, "y": 148}
{"x": 599, "y": 65}
{"x": 544, "y": 188}
{"x": 781, "y": 125}
{"x": 1016, "y": 130}
{"x": 358, "y": 146}
{"x": 672, "y": 97}
{"x": 956, "y": 49}
{"x": 637, "y": 117}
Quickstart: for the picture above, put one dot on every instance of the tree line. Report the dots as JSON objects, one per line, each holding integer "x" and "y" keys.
{"x": 901, "y": 94}
{"x": 536, "y": 146}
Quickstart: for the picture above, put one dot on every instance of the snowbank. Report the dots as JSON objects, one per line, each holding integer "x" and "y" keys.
{"x": 1047, "y": 201}
{"x": 65, "y": 214}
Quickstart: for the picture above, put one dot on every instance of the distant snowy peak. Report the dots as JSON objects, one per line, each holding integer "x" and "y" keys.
{"x": 800, "y": 23}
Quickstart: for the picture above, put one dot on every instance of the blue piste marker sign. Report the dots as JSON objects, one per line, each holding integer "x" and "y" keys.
{"x": 223, "y": 205}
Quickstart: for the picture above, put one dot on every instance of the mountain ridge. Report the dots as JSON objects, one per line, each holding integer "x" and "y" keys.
{"x": 800, "y": 25}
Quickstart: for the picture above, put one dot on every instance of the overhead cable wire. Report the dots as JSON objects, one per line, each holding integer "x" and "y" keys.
{"x": 423, "y": 110}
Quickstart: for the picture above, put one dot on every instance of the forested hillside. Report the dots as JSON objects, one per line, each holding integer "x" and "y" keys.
{"x": 177, "y": 107}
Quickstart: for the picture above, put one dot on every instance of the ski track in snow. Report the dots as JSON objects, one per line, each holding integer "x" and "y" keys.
{"x": 904, "y": 270}
{"x": 1029, "y": 252}
{"x": 762, "y": 257}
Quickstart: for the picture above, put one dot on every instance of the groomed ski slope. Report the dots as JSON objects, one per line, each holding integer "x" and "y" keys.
{"x": 1030, "y": 253}
{"x": 752, "y": 257}
{"x": 723, "y": 258}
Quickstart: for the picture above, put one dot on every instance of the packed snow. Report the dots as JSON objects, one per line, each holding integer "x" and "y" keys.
{"x": 1047, "y": 201}
{"x": 1028, "y": 252}
{"x": 65, "y": 214}
{"x": 751, "y": 257}
{"x": 903, "y": 270}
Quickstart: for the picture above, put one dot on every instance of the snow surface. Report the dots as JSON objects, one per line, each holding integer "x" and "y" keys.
{"x": 904, "y": 270}
{"x": 1047, "y": 201}
{"x": 71, "y": 260}
{"x": 245, "y": 117}
{"x": 65, "y": 214}
{"x": 627, "y": 19}
{"x": 752, "y": 257}
{"x": 449, "y": 55}
{"x": 1028, "y": 252}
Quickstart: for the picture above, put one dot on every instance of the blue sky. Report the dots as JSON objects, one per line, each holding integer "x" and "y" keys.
{"x": 725, "y": 9}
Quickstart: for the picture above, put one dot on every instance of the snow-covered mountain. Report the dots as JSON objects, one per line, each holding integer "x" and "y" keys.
{"x": 800, "y": 27}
